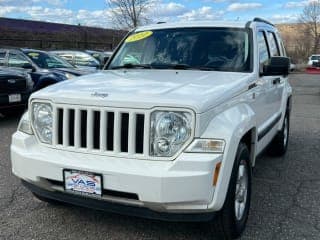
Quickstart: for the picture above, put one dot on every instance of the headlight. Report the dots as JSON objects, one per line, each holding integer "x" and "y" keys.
{"x": 25, "y": 125}
{"x": 42, "y": 121}
{"x": 69, "y": 75}
{"x": 169, "y": 132}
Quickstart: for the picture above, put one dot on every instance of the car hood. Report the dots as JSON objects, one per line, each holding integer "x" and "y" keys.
{"x": 73, "y": 71}
{"x": 198, "y": 90}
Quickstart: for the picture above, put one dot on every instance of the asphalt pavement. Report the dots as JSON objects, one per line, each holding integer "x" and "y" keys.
{"x": 285, "y": 198}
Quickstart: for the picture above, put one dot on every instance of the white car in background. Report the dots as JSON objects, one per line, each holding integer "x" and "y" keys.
{"x": 313, "y": 59}
{"x": 81, "y": 60}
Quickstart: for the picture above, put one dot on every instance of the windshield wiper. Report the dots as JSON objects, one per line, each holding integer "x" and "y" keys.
{"x": 130, "y": 65}
{"x": 182, "y": 67}
{"x": 171, "y": 66}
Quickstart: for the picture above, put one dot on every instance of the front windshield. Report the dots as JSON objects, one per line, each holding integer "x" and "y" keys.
{"x": 47, "y": 61}
{"x": 219, "y": 49}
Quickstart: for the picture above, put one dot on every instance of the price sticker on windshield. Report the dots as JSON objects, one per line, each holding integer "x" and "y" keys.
{"x": 139, "y": 36}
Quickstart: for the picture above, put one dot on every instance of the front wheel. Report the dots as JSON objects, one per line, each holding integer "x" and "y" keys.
{"x": 232, "y": 219}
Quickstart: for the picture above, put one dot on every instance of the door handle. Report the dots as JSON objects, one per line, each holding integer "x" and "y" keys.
{"x": 276, "y": 81}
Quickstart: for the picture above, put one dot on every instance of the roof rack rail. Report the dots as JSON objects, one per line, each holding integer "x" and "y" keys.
{"x": 257, "y": 19}
{"x": 161, "y": 22}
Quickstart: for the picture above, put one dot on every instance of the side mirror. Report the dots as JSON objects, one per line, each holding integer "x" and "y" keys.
{"x": 277, "y": 66}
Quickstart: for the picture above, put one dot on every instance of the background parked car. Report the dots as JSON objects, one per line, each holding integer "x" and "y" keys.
{"x": 79, "y": 59}
{"x": 15, "y": 89}
{"x": 102, "y": 57}
{"x": 293, "y": 67}
{"x": 45, "y": 69}
{"x": 315, "y": 58}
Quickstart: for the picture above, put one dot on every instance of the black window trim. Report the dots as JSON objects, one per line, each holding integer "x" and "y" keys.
{"x": 276, "y": 41}
{"x": 267, "y": 43}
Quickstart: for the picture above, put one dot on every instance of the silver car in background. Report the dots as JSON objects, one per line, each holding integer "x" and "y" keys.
{"x": 79, "y": 59}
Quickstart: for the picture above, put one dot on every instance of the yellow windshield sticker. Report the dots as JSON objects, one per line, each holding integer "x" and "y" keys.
{"x": 139, "y": 36}
{"x": 34, "y": 55}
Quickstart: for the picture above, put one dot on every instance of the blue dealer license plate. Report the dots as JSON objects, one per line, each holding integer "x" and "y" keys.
{"x": 82, "y": 182}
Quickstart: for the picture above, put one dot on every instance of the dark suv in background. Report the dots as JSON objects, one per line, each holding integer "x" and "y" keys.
{"x": 15, "y": 89}
{"x": 44, "y": 68}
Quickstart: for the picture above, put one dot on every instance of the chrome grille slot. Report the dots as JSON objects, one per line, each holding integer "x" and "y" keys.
{"x": 96, "y": 130}
{"x": 108, "y": 131}
{"x": 83, "y": 129}
{"x": 139, "y": 133}
{"x": 124, "y": 132}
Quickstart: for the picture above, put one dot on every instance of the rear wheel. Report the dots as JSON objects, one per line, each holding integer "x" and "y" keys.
{"x": 232, "y": 219}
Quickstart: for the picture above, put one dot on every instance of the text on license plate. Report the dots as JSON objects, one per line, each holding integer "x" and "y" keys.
{"x": 83, "y": 182}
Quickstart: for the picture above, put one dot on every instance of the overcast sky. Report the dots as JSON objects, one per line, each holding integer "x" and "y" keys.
{"x": 96, "y": 13}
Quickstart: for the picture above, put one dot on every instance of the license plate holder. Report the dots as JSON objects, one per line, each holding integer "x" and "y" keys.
{"x": 83, "y": 183}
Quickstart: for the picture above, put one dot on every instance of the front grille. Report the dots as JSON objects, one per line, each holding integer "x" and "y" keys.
{"x": 12, "y": 85}
{"x": 106, "y": 130}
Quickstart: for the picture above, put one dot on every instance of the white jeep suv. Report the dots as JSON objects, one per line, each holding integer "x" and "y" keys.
{"x": 170, "y": 130}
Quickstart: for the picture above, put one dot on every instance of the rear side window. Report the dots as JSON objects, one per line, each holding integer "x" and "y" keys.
{"x": 17, "y": 60}
{"x": 274, "y": 48}
{"x": 2, "y": 58}
{"x": 264, "y": 54}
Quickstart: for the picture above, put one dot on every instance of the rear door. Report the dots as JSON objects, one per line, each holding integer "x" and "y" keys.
{"x": 277, "y": 82}
{"x": 265, "y": 82}
{"x": 272, "y": 84}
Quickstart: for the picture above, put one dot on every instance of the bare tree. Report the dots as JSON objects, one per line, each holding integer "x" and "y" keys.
{"x": 310, "y": 17}
{"x": 129, "y": 13}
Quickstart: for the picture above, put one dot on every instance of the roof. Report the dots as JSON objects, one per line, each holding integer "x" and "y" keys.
{"x": 233, "y": 24}
{"x": 227, "y": 24}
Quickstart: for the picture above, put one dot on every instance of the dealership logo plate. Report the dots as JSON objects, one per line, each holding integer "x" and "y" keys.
{"x": 83, "y": 182}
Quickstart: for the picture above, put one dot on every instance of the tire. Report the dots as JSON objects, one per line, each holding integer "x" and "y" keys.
{"x": 230, "y": 223}
{"x": 279, "y": 144}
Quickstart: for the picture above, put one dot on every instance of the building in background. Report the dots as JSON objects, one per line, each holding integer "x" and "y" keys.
{"x": 44, "y": 35}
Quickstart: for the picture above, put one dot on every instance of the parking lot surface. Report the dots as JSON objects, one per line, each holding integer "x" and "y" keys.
{"x": 285, "y": 199}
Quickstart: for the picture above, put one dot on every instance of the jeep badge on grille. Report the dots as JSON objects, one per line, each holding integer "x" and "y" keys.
{"x": 97, "y": 94}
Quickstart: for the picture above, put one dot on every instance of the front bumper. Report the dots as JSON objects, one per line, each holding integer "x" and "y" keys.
{"x": 118, "y": 208}
{"x": 180, "y": 186}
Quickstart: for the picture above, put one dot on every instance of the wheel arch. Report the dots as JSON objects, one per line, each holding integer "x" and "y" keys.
{"x": 234, "y": 125}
